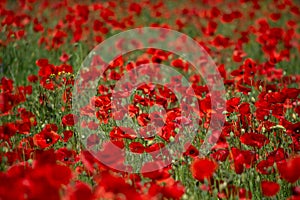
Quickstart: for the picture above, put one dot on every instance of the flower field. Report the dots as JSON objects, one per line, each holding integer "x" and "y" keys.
{"x": 149, "y": 99}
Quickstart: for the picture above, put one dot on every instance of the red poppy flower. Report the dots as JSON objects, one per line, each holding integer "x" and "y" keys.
{"x": 242, "y": 158}
{"x": 45, "y": 138}
{"x": 103, "y": 116}
{"x": 244, "y": 108}
{"x": 191, "y": 151}
{"x": 265, "y": 167}
{"x": 203, "y": 168}
{"x": 167, "y": 132}
{"x": 154, "y": 148}
{"x": 205, "y": 105}
{"x": 47, "y": 84}
{"x": 291, "y": 93}
{"x": 97, "y": 25}
{"x": 249, "y": 67}
{"x": 269, "y": 188}
{"x": 277, "y": 155}
{"x": 69, "y": 120}
{"x": 7, "y": 102}
{"x": 38, "y": 27}
{"x": 254, "y": 140}
{"x": 133, "y": 110}
{"x": 64, "y": 57}
{"x": 64, "y": 68}
{"x": 238, "y": 55}
{"x": 67, "y": 156}
{"x": 143, "y": 119}
{"x": 46, "y": 69}
{"x": 42, "y": 62}
{"x": 103, "y": 102}
{"x": 134, "y": 7}
{"x": 23, "y": 127}
{"x": 210, "y": 29}
{"x": 220, "y": 155}
{"x": 136, "y": 147}
{"x": 58, "y": 38}
{"x": 232, "y": 104}
{"x": 67, "y": 135}
{"x": 289, "y": 170}
{"x": 123, "y": 132}
{"x": 27, "y": 116}
{"x": 179, "y": 63}
{"x": 221, "y": 42}
{"x": 244, "y": 194}
{"x": 8, "y": 130}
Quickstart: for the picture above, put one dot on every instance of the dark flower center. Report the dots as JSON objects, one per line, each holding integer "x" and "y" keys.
{"x": 48, "y": 140}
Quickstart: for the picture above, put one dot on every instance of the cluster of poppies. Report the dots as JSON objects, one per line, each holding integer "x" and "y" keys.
{"x": 50, "y": 152}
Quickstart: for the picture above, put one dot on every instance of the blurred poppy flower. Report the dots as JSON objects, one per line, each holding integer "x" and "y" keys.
{"x": 289, "y": 169}
{"x": 203, "y": 168}
{"x": 168, "y": 190}
{"x": 155, "y": 170}
{"x": 80, "y": 191}
{"x": 7, "y": 130}
{"x": 64, "y": 57}
{"x": 32, "y": 78}
{"x": 111, "y": 187}
{"x": 269, "y": 188}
